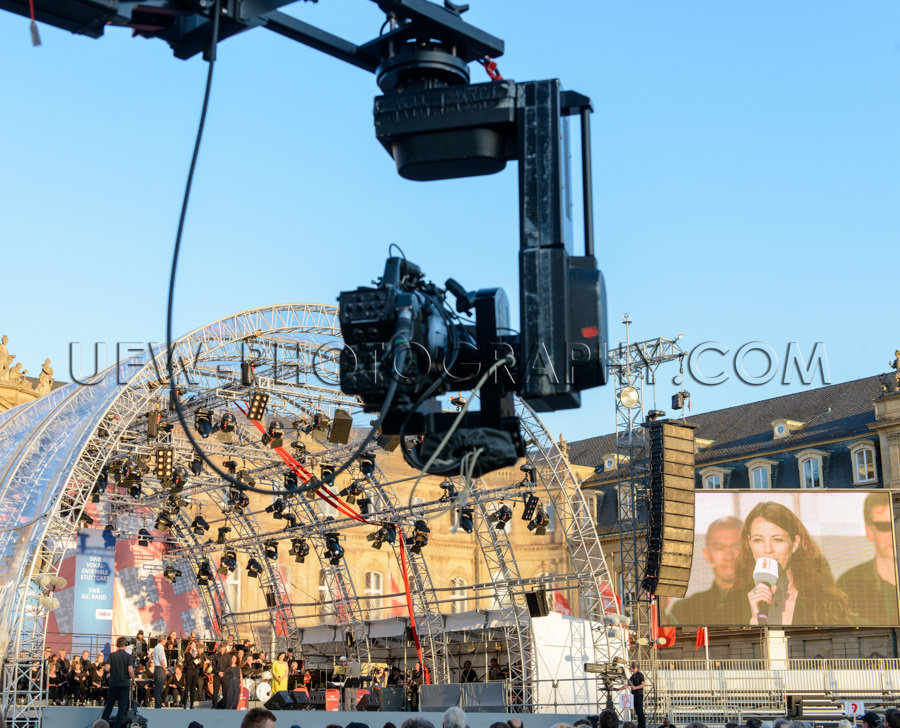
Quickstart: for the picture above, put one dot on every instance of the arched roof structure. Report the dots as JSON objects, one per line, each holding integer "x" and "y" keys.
{"x": 58, "y": 451}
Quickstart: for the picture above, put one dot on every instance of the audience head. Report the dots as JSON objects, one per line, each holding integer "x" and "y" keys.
{"x": 871, "y": 719}
{"x": 258, "y": 718}
{"x": 99, "y": 723}
{"x": 751, "y": 723}
{"x": 120, "y": 643}
{"x": 892, "y": 718}
{"x": 698, "y": 724}
{"x": 416, "y": 723}
{"x": 609, "y": 719}
{"x": 514, "y": 723}
{"x": 454, "y": 718}
{"x": 779, "y": 723}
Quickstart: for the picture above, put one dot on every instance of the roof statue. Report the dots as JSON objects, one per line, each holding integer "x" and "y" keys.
{"x": 895, "y": 365}
{"x": 5, "y": 359}
{"x": 45, "y": 381}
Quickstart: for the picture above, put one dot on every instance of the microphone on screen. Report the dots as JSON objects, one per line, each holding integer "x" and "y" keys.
{"x": 765, "y": 572}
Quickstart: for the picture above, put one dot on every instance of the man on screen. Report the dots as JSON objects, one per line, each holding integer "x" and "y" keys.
{"x": 872, "y": 585}
{"x": 717, "y": 604}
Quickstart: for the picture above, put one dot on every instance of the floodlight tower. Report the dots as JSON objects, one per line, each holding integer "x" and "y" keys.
{"x": 633, "y": 365}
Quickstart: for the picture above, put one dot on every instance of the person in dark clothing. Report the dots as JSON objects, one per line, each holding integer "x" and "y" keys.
{"x": 176, "y": 686}
{"x": 468, "y": 674}
{"x": 636, "y": 682}
{"x": 221, "y": 661}
{"x": 121, "y": 675}
{"x": 192, "y": 686}
{"x": 232, "y": 686}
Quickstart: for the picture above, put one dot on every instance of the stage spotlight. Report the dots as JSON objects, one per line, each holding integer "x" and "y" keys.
{"x": 540, "y": 522}
{"x": 102, "y": 481}
{"x": 171, "y": 574}
{"x": 419, "y": 537}
{"x": 364, "y": 505}
{"x": 334, "y": 552}
{"x": 273, "y": 436}
{"x": 200, "y": 525}
{"x": 530, "y": 473}
{"x": 276, "y": 508}
{"x": 326, "y": 470}
{"x": 501, "y": 517}
{"x": 299, "y": 549}
{"x": 465, "y": 520}
{"x": 386, "y": 534}
{"x": 134, "y": 490}
{"x": 351, "y": 491}
{"x": 449, "y": 493}
{"x": 291, "y": 520}
{"x": 531, "y": 502}
{"x": 204, "y": 574}
{"x": 203, "y": 422}
{"x": 165, "y": 462}
{"x": 131, "y": 470}
{"x": 367, "y": 464}
{"x": 290, "y": 480}
{"x": 163, "y": 522}
{"x": 144, "y": 537}
{"x": 254, "y": 568}
{"x": 197, "y": 466}
{"x": 179, "y": 477}
{"x": 238, "y": 501}
{"x": 258, "y": 403}
{"x": 227, "y": 563}
{"x": 245, "y": 477}
{"x": 230, "y": 466}
{"x": 223, "y": 534}
{"x": 174, "y": 504}
{"x": 228, "y": 423}
{"x": 270, "y": 548}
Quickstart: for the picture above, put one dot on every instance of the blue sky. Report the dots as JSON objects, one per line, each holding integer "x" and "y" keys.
{"x": 745, "y": 180}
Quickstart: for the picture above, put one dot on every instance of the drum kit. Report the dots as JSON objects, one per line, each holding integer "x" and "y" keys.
{"x": 260, "y": 687}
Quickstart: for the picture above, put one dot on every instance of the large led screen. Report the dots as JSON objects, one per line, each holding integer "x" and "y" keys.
{"x": 799, "y": 558}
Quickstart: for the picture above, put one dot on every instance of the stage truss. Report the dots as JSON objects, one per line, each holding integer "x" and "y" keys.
{"x": 56, "y": 448}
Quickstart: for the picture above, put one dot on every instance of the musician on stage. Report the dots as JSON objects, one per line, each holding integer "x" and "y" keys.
{"x": 193, "y": 688}
{"x": 413, "y": 682}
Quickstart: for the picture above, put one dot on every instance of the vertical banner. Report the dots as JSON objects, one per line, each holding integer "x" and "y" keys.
{"x": 94, "y": 569}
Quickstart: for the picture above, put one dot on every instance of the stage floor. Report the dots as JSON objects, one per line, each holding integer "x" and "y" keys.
{"x": 77, "y": 717}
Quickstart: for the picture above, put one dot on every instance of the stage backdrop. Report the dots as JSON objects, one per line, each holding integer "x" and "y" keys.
{"x": 853, "y": 584}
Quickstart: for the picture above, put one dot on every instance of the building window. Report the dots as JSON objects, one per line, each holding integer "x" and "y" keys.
{"x": 759, "y": 477}
{"x": 760, "y": 472}
{"x": 374, "y": 589}
{"x": 811, "y": 468}
{"x": 459, "y": 595}
{"x": 713, "y": 478}
{"x": 863, "y": 463}
{"x": 713, "y": 481}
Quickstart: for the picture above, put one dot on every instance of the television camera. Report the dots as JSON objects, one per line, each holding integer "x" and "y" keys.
{"x": 436, "y": 125}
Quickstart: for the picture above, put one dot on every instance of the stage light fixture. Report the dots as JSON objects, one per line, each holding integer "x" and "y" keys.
{"x": 238, "y": 501}
{"x": 131, "y": 470}
{"x": 134, "y": 490}
{"x": 227, "y": 563}
{"x": 334, "y": 552}
{"x": 85, "y": 521}
{"x": 258, "y": 403}
{"x": 230, "y": 466}
{"x": 654, "y": 415}
{"x": 387, "y": 534}
{"x": 246, "y": 374}
{"x": 200, "y": 525}
{"x": 530, "y": 473}
{"x": 270, "y": 549}
{"x": 171, "y": 574}
{"x": 276, "y": 508}
{"x": 223, "y": 533}
{"x": 367, "y": 464}
{"x": 449, "y": 493}
{"x": 254, "y": 568}
{"x": 419, "y": 537}
{"x": 144, "y": 537}
{"x": 351, "y": 492}
{"x": 291, "y": 520}
{"x": 273, "y": 436}
{"x": 163, "y": 522}
{"x": 364, "y": 505}
{"x": 179, "y": 477}
{"x": 326, "y": 470}
{"x": 228, "y": 423}
{"x": 531, "y": 503}
{"x": 299, "y": 549}
{"x": 165, "y": 463}
{"x": 204, "y": 574}
{"x": 245, "y": 477}
{"x": 629, "y": 397}
{"x": 540, "y": 522}
{"x": 174, "y": 504}
{"x": 501, "y": 517}
{"x": 466, "y": 523}
{"x": 290, "y": 480}
{"x": 203, "y": 422}
{"x": 197, "y": 465}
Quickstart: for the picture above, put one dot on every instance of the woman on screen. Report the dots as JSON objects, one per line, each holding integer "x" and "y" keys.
{"x": 805, "y": 592}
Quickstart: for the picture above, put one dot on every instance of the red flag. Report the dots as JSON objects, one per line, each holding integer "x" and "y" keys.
{"x": 702, "y": 637}
{"x": 397, "y": 602}
{"x": 560, "y": 603}
{"x": 662, "y": 636}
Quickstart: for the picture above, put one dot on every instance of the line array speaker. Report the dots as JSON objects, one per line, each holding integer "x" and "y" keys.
{"x": 341, "y": 424}
{"x": 537, "y": 603}
{"x": 670, "y": 541}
